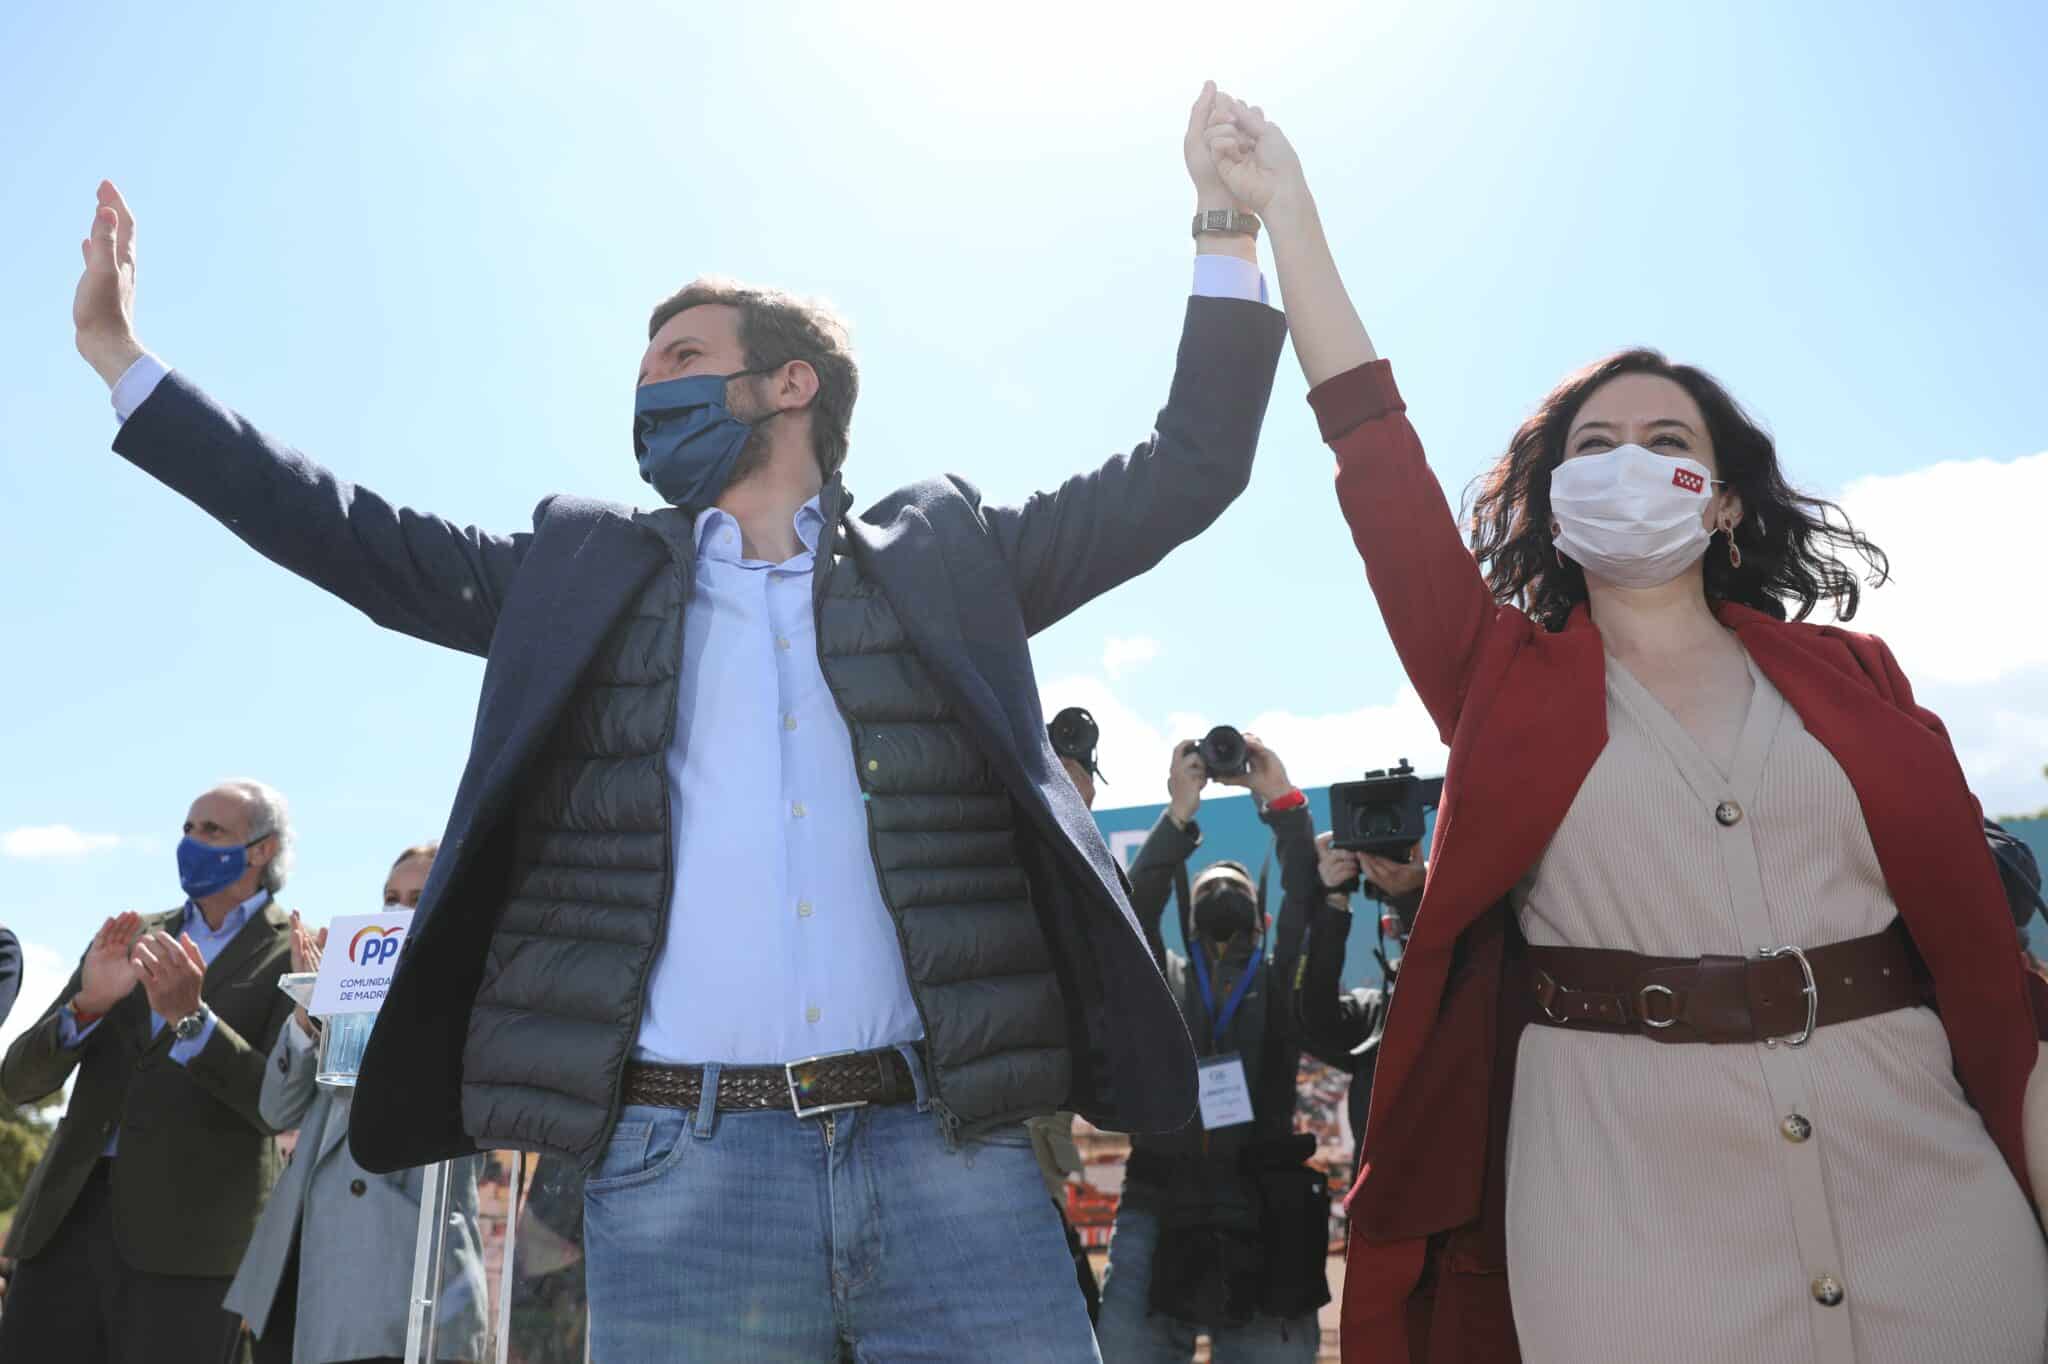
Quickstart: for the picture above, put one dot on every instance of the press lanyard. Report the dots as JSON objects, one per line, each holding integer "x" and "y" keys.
{"x": 1219, "y": 1022}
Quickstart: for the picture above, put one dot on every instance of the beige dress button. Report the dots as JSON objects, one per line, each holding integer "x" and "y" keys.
{"x": 803, "y": 909}
{"x": 1796, "y": 1127}
{"x": 789, "y": 722}
{"x": 782, "y": 644}
{"x": 811, "y": 1015}
{"x": 1827, "y": 1291}
{"x": 796, "y": 809}
{"x": 1729, "y": 813}
{"x": 874, "y": 765}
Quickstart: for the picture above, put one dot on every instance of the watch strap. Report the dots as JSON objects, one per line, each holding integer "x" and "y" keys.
{"x": 1226, "y": 222}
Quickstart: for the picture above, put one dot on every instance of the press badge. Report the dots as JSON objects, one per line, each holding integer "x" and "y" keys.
{"x": 1226, "y": 1098}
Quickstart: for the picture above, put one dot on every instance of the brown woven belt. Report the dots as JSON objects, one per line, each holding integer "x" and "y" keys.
{"x": 818, "y": 1084}
{"x": 1780, "y": 995}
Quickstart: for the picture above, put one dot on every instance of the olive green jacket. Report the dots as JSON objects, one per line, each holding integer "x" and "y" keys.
{"x": 196, "y": 1159}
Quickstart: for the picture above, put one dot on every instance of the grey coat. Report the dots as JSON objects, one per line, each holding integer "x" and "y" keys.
{"x": 357, "y": 1233}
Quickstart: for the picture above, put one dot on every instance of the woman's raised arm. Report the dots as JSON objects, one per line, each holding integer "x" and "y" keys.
{"x": 1435, "y": 602}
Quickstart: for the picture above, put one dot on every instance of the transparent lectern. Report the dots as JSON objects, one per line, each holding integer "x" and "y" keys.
{"x": 441, "y": 1292}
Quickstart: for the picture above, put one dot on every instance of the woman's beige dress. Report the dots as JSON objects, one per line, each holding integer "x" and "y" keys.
{"x": 1697, "y": 1203}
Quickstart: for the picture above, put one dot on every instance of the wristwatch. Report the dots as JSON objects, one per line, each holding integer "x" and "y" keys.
{"x": 191, "y": 1025}
{"x": 1227, "y": 222}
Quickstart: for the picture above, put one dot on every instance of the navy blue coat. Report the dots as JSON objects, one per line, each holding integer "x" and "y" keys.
{"x": 970, "y": 581}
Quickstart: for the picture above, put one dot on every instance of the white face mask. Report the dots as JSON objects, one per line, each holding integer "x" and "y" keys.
{"x": 1631, "y": 517}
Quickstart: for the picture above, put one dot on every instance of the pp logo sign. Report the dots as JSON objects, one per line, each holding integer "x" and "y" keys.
{"x": 373, "y": 946}
{"x": 1688, "y": 480}
{"x": 356, "y": 974}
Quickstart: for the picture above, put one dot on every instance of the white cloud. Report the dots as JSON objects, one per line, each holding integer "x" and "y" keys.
{"x": 1121, "y": 653}
{"x": 1964, "y": 538}
{"x": 53, "y": 840}
{"x": 1960, "y": 613}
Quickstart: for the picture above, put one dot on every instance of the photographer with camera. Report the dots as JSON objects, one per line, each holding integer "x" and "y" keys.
{"x": 1222, "y": 1228}
{"x": 1342, "y": 1027}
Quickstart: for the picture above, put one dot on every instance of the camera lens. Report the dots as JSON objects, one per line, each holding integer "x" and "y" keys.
{"x": 1074, "y": 734}
{"x": 1376, "y": 821}
{"x": 1223, "y": 752}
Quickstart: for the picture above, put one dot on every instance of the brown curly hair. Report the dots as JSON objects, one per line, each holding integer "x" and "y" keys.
{"x": 1793, "y": 546}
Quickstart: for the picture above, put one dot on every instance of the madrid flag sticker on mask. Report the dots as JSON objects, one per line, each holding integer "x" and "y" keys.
{"x": 355, "y": 971}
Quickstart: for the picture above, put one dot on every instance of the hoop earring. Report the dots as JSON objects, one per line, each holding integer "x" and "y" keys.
{"x": 1734, "y": 553}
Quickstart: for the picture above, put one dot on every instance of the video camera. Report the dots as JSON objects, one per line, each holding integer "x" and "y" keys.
{"x": 1384, "y": 813}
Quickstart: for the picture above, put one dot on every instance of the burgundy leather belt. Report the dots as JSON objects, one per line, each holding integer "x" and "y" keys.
{"x": 817, "y": 1084}
{"x": 1779, "y": 995}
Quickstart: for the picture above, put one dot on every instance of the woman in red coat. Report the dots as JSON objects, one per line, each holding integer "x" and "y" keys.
{"x": 1711, "y": 1042}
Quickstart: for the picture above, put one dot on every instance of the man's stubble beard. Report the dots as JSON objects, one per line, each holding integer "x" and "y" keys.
{"x": 753, "y": 457}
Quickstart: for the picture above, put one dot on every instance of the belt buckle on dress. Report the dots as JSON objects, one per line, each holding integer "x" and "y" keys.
{"x": 1543, "y": 981}
{"x": 796, "y": 1099}
{"x": 1811, "y": 990}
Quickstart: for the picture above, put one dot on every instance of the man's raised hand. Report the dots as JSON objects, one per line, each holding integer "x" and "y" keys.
{"x": 1210, "y": 191}
{"x": 107, "y": 975}
{"x": 103, "y": 309}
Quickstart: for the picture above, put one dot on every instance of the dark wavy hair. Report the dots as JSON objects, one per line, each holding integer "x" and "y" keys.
{"x": 1793, "y": 546}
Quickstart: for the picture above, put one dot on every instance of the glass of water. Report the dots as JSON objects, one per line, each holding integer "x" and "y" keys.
{"x": 342, "y": 1039}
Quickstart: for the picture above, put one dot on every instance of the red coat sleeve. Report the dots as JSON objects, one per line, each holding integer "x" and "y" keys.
{"x": 1436, "y": 604}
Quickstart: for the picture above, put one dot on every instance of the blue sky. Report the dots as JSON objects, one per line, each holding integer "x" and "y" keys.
{"x": 421, "y": 241}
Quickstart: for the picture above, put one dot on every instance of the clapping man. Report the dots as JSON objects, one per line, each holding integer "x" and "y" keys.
{"x": 136, "y": 1217}
{"x": 764, "y": 897}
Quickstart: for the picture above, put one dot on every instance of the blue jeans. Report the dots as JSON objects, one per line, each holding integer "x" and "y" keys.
{"x": 1130, "y": 1336}
{"x": 756, "y": 1237}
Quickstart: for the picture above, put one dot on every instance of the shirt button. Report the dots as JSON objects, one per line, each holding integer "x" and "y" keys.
{"x": 1729, "y": 813}
{"x": 1827, "y": 1291}
{"x": 796, "y": 809}
{"x": 357, "y": 1187}
{"x": 782, "y": 644}
{"x": 789, "y": 722}
{"x": 803, "y": 909}
{"x": 1795, "y": 1127}
{"x": 811, "y": 1015}
{"x": 874, "y": 765}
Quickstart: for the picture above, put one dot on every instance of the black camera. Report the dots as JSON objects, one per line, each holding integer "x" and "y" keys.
{"x": 1074, "y": 734}
{"x": 1382, "y": 814}
{"x": 1223, "y": 753}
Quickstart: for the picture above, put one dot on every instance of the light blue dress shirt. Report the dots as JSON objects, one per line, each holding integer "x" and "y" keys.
{"x": 779, "y": 945}
{"x": 209, "y": 941}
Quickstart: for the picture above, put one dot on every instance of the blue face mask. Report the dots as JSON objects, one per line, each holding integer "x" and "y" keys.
{"x": 685, "y": 437}
{"x": 204, "y": 869}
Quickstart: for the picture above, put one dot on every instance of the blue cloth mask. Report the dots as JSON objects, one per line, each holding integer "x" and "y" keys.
{"x": 204, "y": 869}
{"x": 685, "y": 437}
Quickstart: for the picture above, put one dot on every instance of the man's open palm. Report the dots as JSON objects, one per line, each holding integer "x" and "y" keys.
{"x": 103, "y": 308}
{"x": 108, "y": 973}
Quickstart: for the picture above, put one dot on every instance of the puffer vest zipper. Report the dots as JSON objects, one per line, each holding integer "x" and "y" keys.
{"x": 942, "y": 834}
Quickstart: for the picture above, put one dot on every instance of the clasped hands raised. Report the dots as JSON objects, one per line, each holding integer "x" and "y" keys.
{"x": 1238, "y": 158}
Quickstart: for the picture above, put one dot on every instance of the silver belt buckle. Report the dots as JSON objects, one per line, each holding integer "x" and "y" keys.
{"x": 796, "y": 1097}
{"x": 1811, "y": 990}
